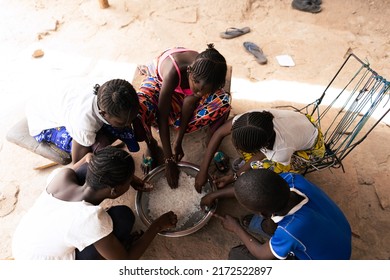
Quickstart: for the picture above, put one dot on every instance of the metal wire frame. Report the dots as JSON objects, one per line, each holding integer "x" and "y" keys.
{"x": 345, "y": 130}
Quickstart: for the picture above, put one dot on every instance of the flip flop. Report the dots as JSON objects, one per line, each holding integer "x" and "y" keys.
{"x": 237, "y": 164}
{"x": 246, "y": 220}
{"x": 256, "y": 51}
{"x": 311, "y": 6}
{"x": 234, "y": 32}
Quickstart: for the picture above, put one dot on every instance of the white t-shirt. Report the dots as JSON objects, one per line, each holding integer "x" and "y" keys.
{"x": 294, "y": 132}
{"x": 75, "y": 107}
{"x": 52, "y": 229}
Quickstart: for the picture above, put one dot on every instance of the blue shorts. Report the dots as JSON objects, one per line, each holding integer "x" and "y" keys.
{"x": 61, "y": 138}
{"x": 58, "y": 136}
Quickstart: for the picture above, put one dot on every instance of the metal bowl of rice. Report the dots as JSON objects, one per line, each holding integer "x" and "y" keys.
{"x": 183, "y": 201}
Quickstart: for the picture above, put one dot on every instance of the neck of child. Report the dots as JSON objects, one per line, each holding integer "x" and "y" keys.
{"x": 293, "y": 201}
{"x": 271, "y": 142}
{"x": 84, "y": 193}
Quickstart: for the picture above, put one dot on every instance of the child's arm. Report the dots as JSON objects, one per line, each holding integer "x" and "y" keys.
{"x": 187, "y": 110}
{"x": 79, "y": 151}
{"x": 164, "y": 108}
{"x": 212, "y": 147}
{"x": 110, "y": 248}
{"x": 86, "y": 158}
{"x": 258, "y": 250}
{"x": 208, "y": 199}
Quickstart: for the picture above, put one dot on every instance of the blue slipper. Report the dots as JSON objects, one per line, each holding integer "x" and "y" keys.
{"x": 256, "y": 51}
{"x": 252, "y": 223}
{"x": 234, "y": 32}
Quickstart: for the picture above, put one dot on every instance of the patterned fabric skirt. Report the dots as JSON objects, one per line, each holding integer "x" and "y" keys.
{"x": 210, "y": 109}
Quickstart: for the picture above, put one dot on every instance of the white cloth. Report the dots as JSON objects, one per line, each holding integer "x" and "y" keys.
{"x": 294, "y": 132}
{"x": 52, "y": 229}
{"x": 74, "y": 107}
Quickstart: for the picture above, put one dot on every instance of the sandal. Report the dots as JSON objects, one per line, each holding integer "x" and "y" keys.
{"x": 246, "y": 220}
{"x": 237, "y": 164}
{"x": 234, "y": 32}
{"x": 256, "y": 51}
{"x": 311, "y": 6}
{"x": 254, "y": 225}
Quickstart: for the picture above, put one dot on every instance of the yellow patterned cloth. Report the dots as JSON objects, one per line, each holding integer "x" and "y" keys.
{"x": 299, "y": 160}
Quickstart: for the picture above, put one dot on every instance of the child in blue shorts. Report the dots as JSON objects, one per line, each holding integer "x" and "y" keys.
{"x": 80, "y": 118}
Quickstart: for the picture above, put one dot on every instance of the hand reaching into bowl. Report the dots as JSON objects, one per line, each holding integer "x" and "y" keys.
{"x": 172, "y": 174}
{"x": 139, "y": 185}
{"x": 165, "y": 221}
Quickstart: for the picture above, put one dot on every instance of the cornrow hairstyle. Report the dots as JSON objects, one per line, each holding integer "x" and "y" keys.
{"x": 109, "y": 167}
{"x": 253, "y": 131}
{"x": 210, "y": 66}
{"x": 116, "y": 96}
{"x": 262, "y": 190}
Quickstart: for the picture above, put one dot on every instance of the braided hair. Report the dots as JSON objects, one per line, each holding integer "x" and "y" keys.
{"x": 116, "y": 96}
{"x": 210, "y": 66}
{"x": 253, "y": 131}
{"x": 109, "y": 167}
{"x": 262, "y": 190}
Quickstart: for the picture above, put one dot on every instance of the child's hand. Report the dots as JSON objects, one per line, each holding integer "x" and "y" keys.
{"x": 172, "y": 174}
{"x": 139, "y": 185}
{"x": 223, "y": 181}
{"x": 88, "y": 157}
{"x": 200, "y": 181}
{"x": 228, "y": 222}
{"x": 207, "y": 201}
{"x": 166, "y": 221}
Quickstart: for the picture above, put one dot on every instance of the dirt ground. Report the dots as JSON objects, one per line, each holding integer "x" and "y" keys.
{"x": 81, "y": 40}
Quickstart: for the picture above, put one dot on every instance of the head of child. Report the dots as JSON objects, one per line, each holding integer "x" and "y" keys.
{"x": 118, "y": 102}
{"x": 207, "y": 73}
{"x": 262, "y": 191}
{"x": 253, "y": 131}
{"x": 112, "y": 168}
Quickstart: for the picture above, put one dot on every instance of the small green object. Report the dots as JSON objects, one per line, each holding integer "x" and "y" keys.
{"x": 221, "y": 161}
{"x": 219, "y": 156}
{"x": 147, "y": 161}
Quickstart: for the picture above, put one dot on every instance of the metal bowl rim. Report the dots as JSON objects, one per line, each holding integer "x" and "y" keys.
{"x": 180, "y": 233}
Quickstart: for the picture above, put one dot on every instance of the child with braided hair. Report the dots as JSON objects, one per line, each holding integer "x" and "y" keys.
{"x": 266, "y": 139}
{"x": 184, "y": 89}
{"x": 79, "y": 121}
{"x": 67, "y": 221}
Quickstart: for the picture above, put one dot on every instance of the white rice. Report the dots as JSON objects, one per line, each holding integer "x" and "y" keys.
{"x": 183, "y": 201}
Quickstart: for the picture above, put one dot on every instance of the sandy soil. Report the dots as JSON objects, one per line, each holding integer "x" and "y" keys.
{"x": 81, "y": 40}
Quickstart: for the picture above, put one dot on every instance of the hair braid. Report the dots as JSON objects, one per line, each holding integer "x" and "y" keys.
{"x": 116, "y": 96}
{"x": 253, "y": 131}
{"x": 210, "y": 66}
{"x": 109, "y": 167}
